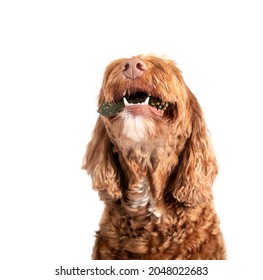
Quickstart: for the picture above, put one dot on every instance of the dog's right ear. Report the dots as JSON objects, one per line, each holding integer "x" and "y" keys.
{"x": 101, "y": 163}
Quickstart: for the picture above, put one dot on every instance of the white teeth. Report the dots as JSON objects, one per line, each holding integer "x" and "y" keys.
{"x": 126, "y": 103}
{"x": 124, "y": 93}
{"x": 146, "y": 101}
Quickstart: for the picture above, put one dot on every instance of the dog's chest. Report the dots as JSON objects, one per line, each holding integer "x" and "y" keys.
{"x": 143, "y": 194}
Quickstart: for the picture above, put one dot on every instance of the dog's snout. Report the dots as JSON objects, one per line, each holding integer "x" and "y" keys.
{"x": 133, "y": 68}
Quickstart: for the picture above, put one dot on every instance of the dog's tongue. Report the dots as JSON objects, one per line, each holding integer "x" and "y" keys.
{"x": 143, "y": 110}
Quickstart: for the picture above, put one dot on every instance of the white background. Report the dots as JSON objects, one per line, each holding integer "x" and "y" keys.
{"x": 52, "y": 58}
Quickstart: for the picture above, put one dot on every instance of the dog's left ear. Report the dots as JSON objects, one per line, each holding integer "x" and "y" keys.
{"x": 197, "y": 166}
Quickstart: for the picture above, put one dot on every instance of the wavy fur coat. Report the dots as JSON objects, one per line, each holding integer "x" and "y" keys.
{"x": 151, "y": 160}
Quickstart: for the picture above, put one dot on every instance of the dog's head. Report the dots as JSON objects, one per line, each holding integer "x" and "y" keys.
{"x": 145, "y": 102}
{"x": 147, "y": 80}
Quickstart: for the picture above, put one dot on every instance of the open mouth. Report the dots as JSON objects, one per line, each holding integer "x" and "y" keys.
{"x": 132, "y": 100}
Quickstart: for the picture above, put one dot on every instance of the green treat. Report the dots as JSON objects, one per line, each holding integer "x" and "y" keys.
{"x": 110, "y": 109}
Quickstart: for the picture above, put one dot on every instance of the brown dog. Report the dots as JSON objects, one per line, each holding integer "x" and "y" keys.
{"x": 151, "y": 160}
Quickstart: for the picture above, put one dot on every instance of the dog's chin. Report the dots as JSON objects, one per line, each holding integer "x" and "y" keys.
{"x": 139, "y": 117}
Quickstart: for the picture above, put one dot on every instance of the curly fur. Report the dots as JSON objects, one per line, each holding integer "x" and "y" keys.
{"x": 154, "y": 173}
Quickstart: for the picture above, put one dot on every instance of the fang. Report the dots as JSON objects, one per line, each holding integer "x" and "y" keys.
{"x": 126, "y": 103}
{"x": 146, "y": 100}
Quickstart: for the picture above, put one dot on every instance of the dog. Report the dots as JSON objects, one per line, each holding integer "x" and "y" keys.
{"x": 152, "y": 162}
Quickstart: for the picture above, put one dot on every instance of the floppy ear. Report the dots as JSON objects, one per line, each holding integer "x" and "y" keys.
{"x": 197, "y": 166}
{"x": 101, "y": 163}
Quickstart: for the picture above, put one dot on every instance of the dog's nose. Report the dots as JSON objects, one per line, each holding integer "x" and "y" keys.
{"x": 133, "y": 68}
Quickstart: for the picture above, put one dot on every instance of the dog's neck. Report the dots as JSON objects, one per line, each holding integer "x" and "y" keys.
{"x": 146, "y": 151}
